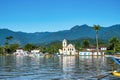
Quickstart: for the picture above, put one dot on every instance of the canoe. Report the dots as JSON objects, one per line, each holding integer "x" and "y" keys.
{"x": 115, "y": 73}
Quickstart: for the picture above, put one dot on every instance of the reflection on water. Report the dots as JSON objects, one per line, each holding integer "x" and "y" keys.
{"x": 54, "y": 67}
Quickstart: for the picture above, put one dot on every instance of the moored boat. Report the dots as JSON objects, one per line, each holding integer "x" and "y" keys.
{"x": 115, "y": 73}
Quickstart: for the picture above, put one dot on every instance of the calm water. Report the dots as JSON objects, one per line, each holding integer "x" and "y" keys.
{"x": 55, "y": 68}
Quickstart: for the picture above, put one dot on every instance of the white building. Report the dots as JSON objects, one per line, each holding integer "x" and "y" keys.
{"x": 20, "y": 52}
{"x": 68, "y": 49}
{"x": 88, "y": 53}
{"x": 103, "y": 48}
{"x": 35, "y": 51}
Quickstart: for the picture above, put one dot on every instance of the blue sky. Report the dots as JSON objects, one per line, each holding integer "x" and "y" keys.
{"x": 55, "y": 15}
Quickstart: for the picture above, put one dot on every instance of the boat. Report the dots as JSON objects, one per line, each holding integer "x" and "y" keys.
{"x": 115, "y": 73}
{"x": 116, "y": 59}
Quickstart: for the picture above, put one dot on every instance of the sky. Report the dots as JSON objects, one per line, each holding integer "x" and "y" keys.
{"x": 54, "y": 15}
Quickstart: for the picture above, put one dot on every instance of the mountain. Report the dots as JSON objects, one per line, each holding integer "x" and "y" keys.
{"x": 76, "y": 32}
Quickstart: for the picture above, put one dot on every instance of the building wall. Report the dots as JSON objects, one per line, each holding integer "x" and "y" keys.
{"x": 35, "y": 51}
{"x": 67, "y": 49}
{"x": 91, "y": 53}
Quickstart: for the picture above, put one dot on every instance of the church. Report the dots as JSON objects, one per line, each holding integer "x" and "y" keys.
{"x": 67, "y": 49}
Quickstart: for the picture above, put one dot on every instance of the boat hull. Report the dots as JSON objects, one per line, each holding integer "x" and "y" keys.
{"x": 115, "y": 73}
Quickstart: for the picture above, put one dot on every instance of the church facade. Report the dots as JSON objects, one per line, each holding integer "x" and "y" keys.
{"x": 67, "y": 49}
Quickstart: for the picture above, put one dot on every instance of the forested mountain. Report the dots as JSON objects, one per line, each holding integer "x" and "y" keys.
{"x": 76, "y": 32}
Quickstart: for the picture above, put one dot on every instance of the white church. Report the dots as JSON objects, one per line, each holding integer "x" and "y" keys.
{"x": 67, "y": 49}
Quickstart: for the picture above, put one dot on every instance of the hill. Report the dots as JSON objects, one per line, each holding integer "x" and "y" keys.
{"x": 76, "y": 32}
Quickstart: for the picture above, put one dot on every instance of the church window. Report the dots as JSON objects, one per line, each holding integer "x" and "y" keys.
{"x": 72, "y": 49}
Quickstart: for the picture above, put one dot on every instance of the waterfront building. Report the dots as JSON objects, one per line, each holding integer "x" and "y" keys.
{"x": 89, "y": 53}
{"x": 93, "y": 48}
{"x": 20, "y": 52}
{"x": 35, "y": 51}
{"x": 67, "y": 49}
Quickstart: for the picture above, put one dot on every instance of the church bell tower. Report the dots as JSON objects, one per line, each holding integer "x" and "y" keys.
{"x": 64, "y": 43}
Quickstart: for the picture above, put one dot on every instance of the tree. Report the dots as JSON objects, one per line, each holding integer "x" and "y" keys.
{"x": 1, "y": 50}
{"x": 42, "y": 48}
{"x": 97, "y": 28}
{"x": 78, "y": 46}
{"x": 101, "y": 43}
{"x": 54, "y": 47}
{"x": 29, "y": 47}
{"x": 6, "y": 43}
{"x": 85, "y": 43}
{"x": 114, "y": 43}
{"x": 13, "y": 47}
{"x": 7, "y": 39}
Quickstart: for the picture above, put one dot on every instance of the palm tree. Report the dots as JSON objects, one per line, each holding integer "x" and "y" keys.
{"x": 97, "y": 28}
{"x": 6, "y": 43}
{"x": 7, "y": 39}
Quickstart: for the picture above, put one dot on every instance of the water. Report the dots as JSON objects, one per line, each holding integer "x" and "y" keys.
{"x": 55, "y": 68}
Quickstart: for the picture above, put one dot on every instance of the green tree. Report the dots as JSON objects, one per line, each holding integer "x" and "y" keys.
{"x": 101, "y": 43}
{"x": 13, "y": 47}
{"x": 85, "y": 43}
{"x": 7, "y": 50}
{"x": 114, "y": 43}
{"x": 29, "y": 47}
{"x": 7, "y": 39}
{"x": 78, "y": 46}
{"x": 51, "y": 48}
{"x": 43, "y": 49}
{"x": 1, "y": 50}
{"x": 54, "y": 47}
{"x": 97, "y": 28}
